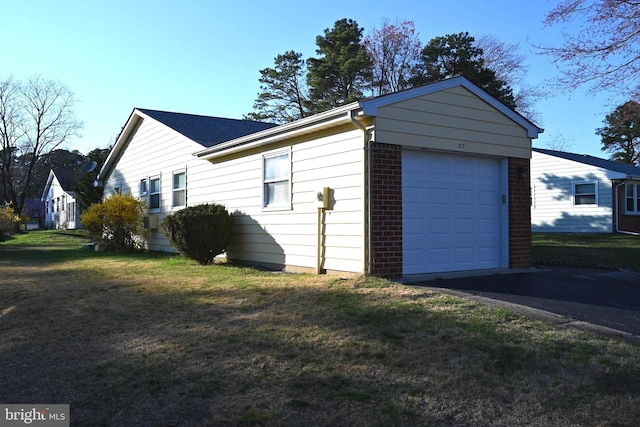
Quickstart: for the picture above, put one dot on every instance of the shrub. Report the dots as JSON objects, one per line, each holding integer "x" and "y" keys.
{"x": 117, "y": 222}
{"x": 8, "y": 221}
{"x": 199, "y": 232}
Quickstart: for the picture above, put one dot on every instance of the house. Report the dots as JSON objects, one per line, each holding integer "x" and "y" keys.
{"x": 431, "y": 179}
{"x": 579, "y": 193}
{"x": 60, "y": 206}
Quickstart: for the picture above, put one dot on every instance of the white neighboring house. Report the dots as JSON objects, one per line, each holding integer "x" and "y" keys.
{"x": 60, "y": 206}
{"x": 580, "y": 193}
{"x": 431, "y": 179}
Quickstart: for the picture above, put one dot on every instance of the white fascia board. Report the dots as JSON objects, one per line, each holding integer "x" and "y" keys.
{"x": 47, "y": 186}
{"x": 118, "y": 146}
{"x": 370, "y": 107}
{"x": 278, "y": 133}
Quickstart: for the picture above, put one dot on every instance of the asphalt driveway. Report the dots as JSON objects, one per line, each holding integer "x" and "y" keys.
{"x": 606, "y": 301}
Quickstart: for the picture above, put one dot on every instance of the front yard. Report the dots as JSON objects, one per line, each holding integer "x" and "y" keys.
{"x": 150, "y": 340}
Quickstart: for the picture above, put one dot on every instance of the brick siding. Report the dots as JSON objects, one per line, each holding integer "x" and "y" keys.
{"x": 519, "y": 213}
{"x": 386, "y": 210}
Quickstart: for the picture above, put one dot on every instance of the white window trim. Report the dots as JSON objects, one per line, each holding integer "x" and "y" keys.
{"x": 267, "y": 155}
{"x": 159, "y": 193}
{"x": 573, "y": 193}
{"x": 173, "y": 190}
{"x": 143, "y": 193}
{"x": 636, "y": 186}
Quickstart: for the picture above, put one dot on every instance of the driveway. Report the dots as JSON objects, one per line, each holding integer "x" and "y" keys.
{"x": 605, "y": 301}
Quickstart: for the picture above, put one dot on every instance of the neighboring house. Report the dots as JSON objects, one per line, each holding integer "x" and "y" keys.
{"x": 580, "y": 193}
{"x": 60, "y": 206}
{"x": 431, "y": 179}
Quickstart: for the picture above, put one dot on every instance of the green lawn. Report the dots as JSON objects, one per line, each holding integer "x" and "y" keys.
{"x": 147, "y": 339}
{"x": 596, "y": 248}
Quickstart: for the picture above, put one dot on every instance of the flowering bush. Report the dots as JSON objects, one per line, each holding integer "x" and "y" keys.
{"x": 8, "y": 221}
{"x": 117, "y": 222}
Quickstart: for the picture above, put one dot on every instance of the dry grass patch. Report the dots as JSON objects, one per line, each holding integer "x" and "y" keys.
{"x": 152, "y": 340}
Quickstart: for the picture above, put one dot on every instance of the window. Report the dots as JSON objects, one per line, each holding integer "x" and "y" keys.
{"x": 179, "y": 189}
{"x": 143, "y": 187}
{"x": 154, "y": 193}
{"x": 117, "y": 188}
{"x": 632, "y": 198}
{"x": 276, "y": 179}
{"x": 585, "y": 193}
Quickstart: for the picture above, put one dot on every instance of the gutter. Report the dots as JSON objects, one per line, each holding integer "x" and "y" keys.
{"x": 279, "y": 133}
{"x": 366, "y": 232}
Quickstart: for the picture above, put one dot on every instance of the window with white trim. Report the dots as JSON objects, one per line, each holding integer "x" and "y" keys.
{"x": 632, "y": 197}
{"x": 143, "y": 187}
{"x": 179, "y": 189}
{"x": 585, "y": 193}
{"x": 154, "y": 193}
{"x": 276, "y": 176}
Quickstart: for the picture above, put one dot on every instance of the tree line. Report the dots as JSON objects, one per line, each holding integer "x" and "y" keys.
{"x": 350, "y": 66}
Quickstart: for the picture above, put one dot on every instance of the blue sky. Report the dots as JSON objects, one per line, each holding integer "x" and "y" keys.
{"x": 204, "y": 57}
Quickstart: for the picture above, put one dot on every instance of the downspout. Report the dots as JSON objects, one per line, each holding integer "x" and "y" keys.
{"x": 618, "y": 214}
{"x": 367, "y": 191}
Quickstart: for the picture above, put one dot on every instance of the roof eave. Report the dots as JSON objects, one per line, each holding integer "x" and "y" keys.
{"x": 313, "y": 123}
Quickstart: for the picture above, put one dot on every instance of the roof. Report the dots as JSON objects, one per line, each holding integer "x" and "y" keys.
{"x": 629, "y": 170}
{"x": 206, "y": 131}
{"x": 355, "y": 111}
{"x": 66, "y": 177}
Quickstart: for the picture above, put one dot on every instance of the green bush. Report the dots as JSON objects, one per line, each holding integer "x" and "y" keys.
{"x": 117, "y": 222}
{"x": 199, "y": 232}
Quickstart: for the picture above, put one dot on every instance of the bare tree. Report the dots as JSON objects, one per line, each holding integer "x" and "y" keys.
{"x": 36, "y": 117}
{"x": 601, "y": 48}
{"x": 510, "y": 67}
{"x": 394, "y": 49}
{"x": 559, "y": 142}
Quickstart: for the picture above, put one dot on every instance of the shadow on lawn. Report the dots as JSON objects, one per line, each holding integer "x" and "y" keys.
{"x": 122, "y": 353}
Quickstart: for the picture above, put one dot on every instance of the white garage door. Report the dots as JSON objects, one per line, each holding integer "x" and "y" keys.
{"x": 452, "y": 208}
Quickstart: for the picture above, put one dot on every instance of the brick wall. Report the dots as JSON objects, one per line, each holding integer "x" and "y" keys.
{"x": 519, "y": 213}
{"x": 386, "y": 210}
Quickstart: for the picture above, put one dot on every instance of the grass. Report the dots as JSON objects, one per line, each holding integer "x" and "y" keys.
{"x": 595, "y": 248}
{"x": 148, "y": 340}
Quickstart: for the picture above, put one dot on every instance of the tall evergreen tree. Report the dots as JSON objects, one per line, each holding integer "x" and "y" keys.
{"x": 621, "y": 133}
{"x": 283, "y": 94}
{"x": 455, "y": 55}
{"x": 343, "y": 70}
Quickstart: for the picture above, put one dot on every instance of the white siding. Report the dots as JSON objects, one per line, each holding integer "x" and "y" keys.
{"x": 452, "y": 120}
{"x": 552, "y": 204}
{"x": 156, "y": 150}
{"x": 289, "y": 237}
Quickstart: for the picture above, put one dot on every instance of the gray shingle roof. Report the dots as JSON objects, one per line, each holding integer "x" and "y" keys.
{"x": 66, "y": 177}
{"x": 205, "y": 130}
{"x": 593, "y": 161}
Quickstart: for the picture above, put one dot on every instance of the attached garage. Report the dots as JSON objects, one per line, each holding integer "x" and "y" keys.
{"x": 453, "y": 212}
{"x": 449, "y": 182}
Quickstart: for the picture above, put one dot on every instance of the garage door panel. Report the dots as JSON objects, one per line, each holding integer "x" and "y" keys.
{"x": 451, "y": 216}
